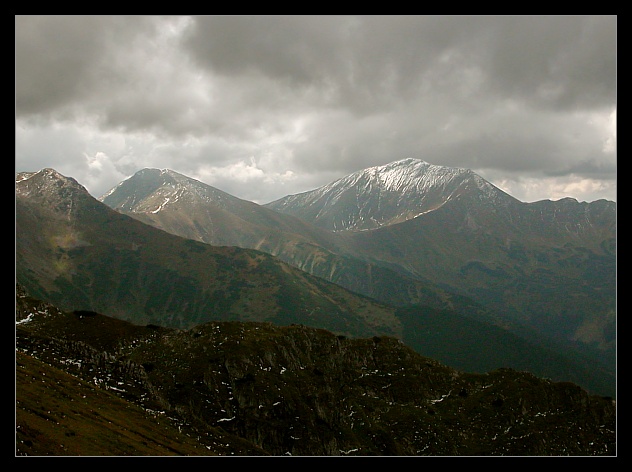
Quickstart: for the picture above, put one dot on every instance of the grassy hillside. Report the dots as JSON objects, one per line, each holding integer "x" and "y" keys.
{"x": 60, "y": 415}
{"x": 472, "y": 346}
{"x": 96, "y": 259}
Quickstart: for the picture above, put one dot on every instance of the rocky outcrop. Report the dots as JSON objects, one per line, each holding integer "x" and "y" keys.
{"x": 296, "y": 390}
{"x": 300, "y": 391}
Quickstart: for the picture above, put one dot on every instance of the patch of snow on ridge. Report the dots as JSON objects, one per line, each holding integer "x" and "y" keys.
{"x": 405, "y": 176}
{"x": 162, "y": 205}
{"x": 23, "y": 176}
{"x": 28, "y": 319}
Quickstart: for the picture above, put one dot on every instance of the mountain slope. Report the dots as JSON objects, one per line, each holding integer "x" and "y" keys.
{"x": 59, "y": 415}
{"x": 234, "y": 388}
{"x": 76, "y": 395}
{"x": 547, "y": 265}
{"x": 180, "y": 204}
{"x": 76, "y": 252}
{"x": 186, "y": 207}
{"x": 384, "y": 195}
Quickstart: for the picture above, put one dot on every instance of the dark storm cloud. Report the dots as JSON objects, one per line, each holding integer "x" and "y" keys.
{"x": 548, "y": 61}
{"x": 404, "y": 72}
{"x": 109, "y": 70}
{"x": 60, "y": 60}
{"x": 286, "y": 102}
{"x": 53, "y": 60}
{"x": 359, "y": 63}
{"x": 558, "y": 62}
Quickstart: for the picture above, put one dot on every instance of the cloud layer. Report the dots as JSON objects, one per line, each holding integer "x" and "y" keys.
{"x": 264, "y": 106}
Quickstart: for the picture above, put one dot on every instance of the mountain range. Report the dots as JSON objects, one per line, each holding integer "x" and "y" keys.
{"x": 414, "y": 233}
{"x": 456, "y": 268}
{"x": 462, "y": 233}
{"x": 77, "y": 253}
{"x": 186, "y": 207}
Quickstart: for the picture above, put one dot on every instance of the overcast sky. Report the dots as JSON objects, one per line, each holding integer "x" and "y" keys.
{"x": 266, "y": 106}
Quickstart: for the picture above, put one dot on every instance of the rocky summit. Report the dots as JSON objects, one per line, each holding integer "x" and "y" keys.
{"x": 385, "y": 195}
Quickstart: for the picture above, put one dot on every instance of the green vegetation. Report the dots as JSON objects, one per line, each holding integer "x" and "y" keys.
{"x": 456, "y": 340}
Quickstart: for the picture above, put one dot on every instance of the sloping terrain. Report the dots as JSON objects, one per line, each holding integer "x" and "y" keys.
{"x": 75, "y": 397}
{"x": 186, "y": 207}
{"x": 74, "y": 251}
{"x": 548, "y": 266}
{"x": 414, "y": 233}
{"x": 58, "y": 414}
{"x": 256, "y": 389}
{"x": 385, "y": 195}
{"x": 191, "y": 209}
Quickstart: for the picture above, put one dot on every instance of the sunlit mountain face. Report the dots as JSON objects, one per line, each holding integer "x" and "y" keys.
{"x": 384, "y": 195}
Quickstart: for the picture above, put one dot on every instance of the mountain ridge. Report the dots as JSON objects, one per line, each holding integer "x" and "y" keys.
{"x": 164, "y": 178}
{"x": 105, "y": 262}
{"x": 88, "y": 384}
{"x": 75, "y": 251}
{"x": 477, "y": 241}
{"x": 245, "y": 224}
{"x": 472, "y": 231}
{"x": 384, "y": 195}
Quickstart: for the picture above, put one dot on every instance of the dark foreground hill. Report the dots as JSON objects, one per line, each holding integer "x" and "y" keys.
{"x": 87, "y": 384}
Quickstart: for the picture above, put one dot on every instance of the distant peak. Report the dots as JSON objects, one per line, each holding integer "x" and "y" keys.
{"x": 155, "y": 172}
{"x": 47, "y": 173}
{"x": 408, "y": 161}
{"x": 47, "y": 181}
{"x": 151, "y": 171}
{"x": 412, "y": 164}
{"x": 385, "y": 194}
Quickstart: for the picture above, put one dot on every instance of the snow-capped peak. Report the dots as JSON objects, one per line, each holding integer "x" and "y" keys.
{"x": 152, "y": 190}
{"x": 46, "y": 180}
{"x": 409, "y": 175}
{"x": 382, "y": 195}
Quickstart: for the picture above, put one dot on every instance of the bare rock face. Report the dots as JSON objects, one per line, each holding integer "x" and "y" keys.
{"x": 301, "y": 391}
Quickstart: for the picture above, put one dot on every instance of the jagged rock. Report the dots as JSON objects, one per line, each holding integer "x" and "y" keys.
{"x": 304, "y": 391}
